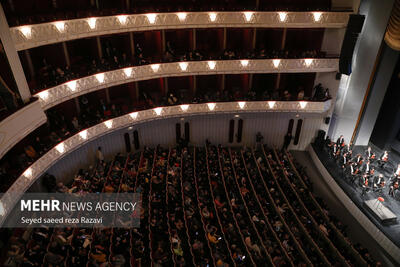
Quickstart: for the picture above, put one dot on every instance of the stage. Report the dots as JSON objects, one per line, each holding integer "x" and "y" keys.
{"x": 368, "y": 202}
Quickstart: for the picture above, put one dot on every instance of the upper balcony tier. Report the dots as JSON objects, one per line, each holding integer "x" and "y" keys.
{"x": 35, "y": 35}
{"x": 58, "y": 94}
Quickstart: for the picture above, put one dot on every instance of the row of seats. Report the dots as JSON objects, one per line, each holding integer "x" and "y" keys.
{"x": 200, "y": 206}
{"x": 50, "y": 76}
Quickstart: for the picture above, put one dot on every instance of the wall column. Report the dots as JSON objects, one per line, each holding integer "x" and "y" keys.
{"x": 30, "y": 64}
{"x": 66, "y": 54}
{"x": 13, "y": 59}
{"x": 283, "y": 42}
{"x": 351, "y": 95}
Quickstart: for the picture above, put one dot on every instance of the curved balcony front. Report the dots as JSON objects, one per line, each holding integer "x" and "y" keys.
{"x": 63, "y": 92}
{"x": 30, "y": 36}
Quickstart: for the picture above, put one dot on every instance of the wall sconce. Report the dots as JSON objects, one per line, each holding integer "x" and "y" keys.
{"x": 100, "y": 77}
{"x": 271, "y": 104}
{"x": 60, "y": 25}
{"x": 282, "y": 16}
{"x": 211, "y": 106}
{"x": 92, "y": 23}
{"x": 212, "y": 16}
{"x": 151, "y": 18}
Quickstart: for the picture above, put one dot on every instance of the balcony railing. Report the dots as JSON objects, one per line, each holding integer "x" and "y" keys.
{"x": 58, "y": 94}
{"x": 19, "y": 124}
{"x": 30, "y": 36}
{"x": 38, "y": 168}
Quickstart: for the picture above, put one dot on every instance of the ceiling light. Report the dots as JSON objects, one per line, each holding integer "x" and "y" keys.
{"x": 2, "y": 210}
{"x": 108, "y": 124}
{"x": 181, "y": 16}
{"x": 128, "y": 72}
{"x": 28, "y": 173}
{"x": 211, "y": 64}
{"x": 44, "y": 95}
{"x": 308, "y": 61}
{"x": 317, "y": 16}
{"x": 248, "y": 15}
{"x": 276, "y": 62}
{"x": 244, "y": 62}
{"x": 60, "y": 148}
{"x": 212, "y": 16}
{"x": 282, "y": 16}
{"x": 183, "y": 66}
{"x": 133, "y": 115}
{"x": 155, "y": 67}
{"x": 60, "y": 25}
{"x": 211, "y": 106}
{"x": 100, "y": 77}
{"x": 26, "y": 31}
{"x": 158, "y": 111}
{"x": 72, "y": 85}
{"x": 271, "y": 104}
{"x": 83, "y": 134}
{"x": 92, "y": 23}
{"x": 122, "y": 19}
{"x": 151, "y": 17}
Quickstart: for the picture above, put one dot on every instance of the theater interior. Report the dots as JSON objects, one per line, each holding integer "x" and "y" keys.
{"x": 248, "y": 133}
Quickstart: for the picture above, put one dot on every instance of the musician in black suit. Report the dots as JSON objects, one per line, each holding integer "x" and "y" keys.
{"x": 365, "y": 184}
{"x": 340, "y": 141}
{"x": 358, "y": 160}
{"x": 367, "y": 168}
{"x": 369, "y": 154}
{"x": 379, "y": 182}
{"x": 383, "y": 159}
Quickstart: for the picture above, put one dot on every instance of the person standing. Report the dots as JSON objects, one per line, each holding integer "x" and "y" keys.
{"x": 99, "y": 155}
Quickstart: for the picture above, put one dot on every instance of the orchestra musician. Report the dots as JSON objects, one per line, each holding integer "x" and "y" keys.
{"x": 383, "y": 159}
{"x": 344, "y": 160}
{"x": 397, "y": 173}
{"x": 348, "y": 148}
{"x": 393, "y": 188}
{"x": 334, "y": 150}
{"x": 359, "y": 160}
{"x": 354, "y": 171}
{"x": 365, "y": 187}
{"x": 367, "y": 168}
{"x": 340, "y": 141}
{"x": 379, "y": 183}
{"x": 369, "y": 154}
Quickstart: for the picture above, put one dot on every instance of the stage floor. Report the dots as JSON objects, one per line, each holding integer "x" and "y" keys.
{"x": 354, "y": 191}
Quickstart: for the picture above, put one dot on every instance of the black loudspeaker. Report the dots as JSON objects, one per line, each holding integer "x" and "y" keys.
{"x": 240, "y": 131}
{"x": 187, "y": 132}
{"x": 319, "y": 141}
{"x": 127, "y": 142}
{"x": 136, "y": 139}
{"x": 327, "y": 120}
{"x": 178, "y": 132}
{"x": 231, "y": 130}
{"x": 354, "y": 27}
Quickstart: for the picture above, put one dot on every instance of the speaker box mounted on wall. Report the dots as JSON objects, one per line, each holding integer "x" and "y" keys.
{"x": 354, "y": 27}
